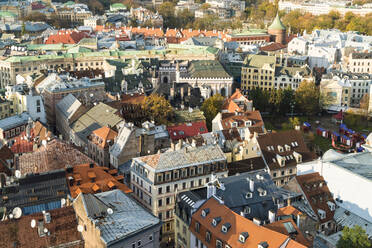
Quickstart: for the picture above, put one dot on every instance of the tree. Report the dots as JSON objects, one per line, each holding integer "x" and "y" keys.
{"x": 158, "y": 108}
{"x": 211, "y": 107}
{"x": 307, "y": 98}
{"x": 205, "y": 6}
{"x": 355, "y": 237}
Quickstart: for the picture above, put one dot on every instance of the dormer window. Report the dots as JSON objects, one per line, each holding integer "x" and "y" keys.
{"x": 248, "y": 195}
{"x": 243, "y": 237}
{"x": 225, "y": 227}
{"x": 205, "y": 212}
{"x": 261, "y": 191}
{"x": 322, "y": 214}
{"x": 215, "y": 221}
{"x": 331, "y": 205}
{"x": 298, "y": 157}
{"x": 263, "y": 244}
{"x": 280, "y": 148}
{"x": 287, "y": 147}
{"x": 234, "y": 124}
{"x": 248, "y": 123}
{"x": 247, "y": 210}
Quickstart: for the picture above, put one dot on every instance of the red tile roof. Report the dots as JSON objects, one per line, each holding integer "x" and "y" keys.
{"x": 240, "y": 118}
{"x": 62, "y": 229}
{"x": 239, "y": 224}
{"x": 186, "y": 130}
{"x": 93, "y": 180}
{"x": 66, "y": 37}
{"x": 55, "y": 155}
{"x": 103, "y": 136}
{"x": 279, "y": 226}
{"x": 273, "y": 47}
{"x": 38, "y": 133}
{"x": 317, "y": 194}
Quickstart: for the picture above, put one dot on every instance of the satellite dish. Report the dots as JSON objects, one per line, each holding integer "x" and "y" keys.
{"x": 18, "y": 174}
{"x": 10, "y": 216}
{"x": 110, "y": 211}
{"x": 33, "y": 223}
{"x": 17, "y": 212}
{"x": 63, "y": 202}
{"x": 80, "y": 228}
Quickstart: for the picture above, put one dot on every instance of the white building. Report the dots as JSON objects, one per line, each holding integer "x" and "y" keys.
{"x": 348, "y": 177}
{"x": 323, "y": 8}
{"x": 321, "y": 56}
{"x": 298, "y": 45}
{"x": 360, "y": 62}
{"x": 337, "y": 92}
{"x": 23, "y": 101}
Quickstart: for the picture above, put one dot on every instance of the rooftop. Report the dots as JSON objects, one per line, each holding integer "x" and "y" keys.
{"x": 61, "y": 230}
{"x": 14, "y": 121}
{"x": 184, "y": 157}
{"x": 35, "y": 193}
{"x": 103, "y": 136}
{"x": 186, "y": 130}
{"x": 52, "y": 157}
{"x": 206, "y": 69}
{"x": 237, "y": 225}
{"x": 128, "y": 217}
{"x": 89, "y": 178}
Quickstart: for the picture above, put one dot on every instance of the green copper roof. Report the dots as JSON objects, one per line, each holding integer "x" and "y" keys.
{"x": 69, "y": 3}
{"x": 7, "y": 14}
{"x": 118, "y": 6}
{"x": 277, "y": 24}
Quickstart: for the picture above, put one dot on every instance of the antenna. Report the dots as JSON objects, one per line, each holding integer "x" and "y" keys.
{"x": 17, "y": 212}
{"x": 110, "y": 211}
{"x": 33, "y": 223}
{"x": 18, "y": 174}
{"x": 80, "y": 228}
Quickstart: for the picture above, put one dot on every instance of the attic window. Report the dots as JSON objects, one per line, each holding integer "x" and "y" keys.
{"x": 287, "y": 147}
{"x": 322, "y": 214}
{"x": 215, "y": 221}
{"x": 263, "y": 244}
{"x": 248, "y": 123}
{"x": 280, "y": 148}
{"x": 243, "y": 237}
{"x": 225, "y": 227}
{"x": 262, "y": 191}
{"x": 205, "y": 212}
{"x": 247, "y": 210}
{"x": 331, "y": 205}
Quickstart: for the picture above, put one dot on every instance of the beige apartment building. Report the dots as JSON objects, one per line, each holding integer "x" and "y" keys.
{"x": 156, "y": 179}
{"x": 360, "y": 62}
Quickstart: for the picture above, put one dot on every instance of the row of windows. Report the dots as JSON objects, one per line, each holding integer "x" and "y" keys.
{"x": 139, "y": 242}
{"x": 282, "y": 173}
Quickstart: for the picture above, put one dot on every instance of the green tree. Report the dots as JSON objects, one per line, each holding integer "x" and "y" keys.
{"x": 211, "y": 107}
{"x": 167, "y": 10}
{"x": 307, "y": 98}
{"x": 158, "y": 108}
{"x": 355, "y": 237}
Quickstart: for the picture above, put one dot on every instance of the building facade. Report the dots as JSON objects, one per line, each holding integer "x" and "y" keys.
{"x": 155, "y": 179}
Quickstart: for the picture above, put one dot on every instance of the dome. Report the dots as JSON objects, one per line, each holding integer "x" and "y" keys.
{"x": 277, "y": 24}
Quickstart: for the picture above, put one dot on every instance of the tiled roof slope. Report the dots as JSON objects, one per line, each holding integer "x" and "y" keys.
{"x": 317, "y": 194}
{"x": 127, "y": 218}
{"x": 239, "y": 225}
{"x": 269, "y": 145}
{"x": 186, "y": 130}
{"x": 66, "y": 37}
{"x": 103, "y": 136}
{"x": 93, "y": 179}
{"x": 62, "y": 228}
{"x": 55, "y": 155}
{"x": 183, "y": 157}
{"x": 240, "y": 118}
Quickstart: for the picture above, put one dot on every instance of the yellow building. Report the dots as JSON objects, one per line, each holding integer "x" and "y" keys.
{"x": 5, "y": 108}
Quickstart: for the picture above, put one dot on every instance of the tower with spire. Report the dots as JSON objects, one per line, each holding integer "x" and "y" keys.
{"x": 277, "y": 30}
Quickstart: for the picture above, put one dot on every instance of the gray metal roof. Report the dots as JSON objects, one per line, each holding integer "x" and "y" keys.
{"x": 14, "y": 121}
{"x": 346, "y": 218}
{"x": 127, "y": 218}
{"x": 359, "y": 163}
{"x": 68, "y": 106}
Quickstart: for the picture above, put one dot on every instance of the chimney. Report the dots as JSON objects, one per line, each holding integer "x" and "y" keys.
{"x": 251, "y": 185}
{"x": 211, "y": 190}
{"x": 271, "y": 216}
{"x": 91, "y": 165}
{"x": 182, "y": 92}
